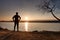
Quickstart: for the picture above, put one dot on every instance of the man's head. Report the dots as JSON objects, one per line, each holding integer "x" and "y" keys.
{"x": 16, "y": 13}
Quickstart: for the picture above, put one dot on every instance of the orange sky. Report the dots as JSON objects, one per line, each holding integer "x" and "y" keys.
{"x": 26, "y": 8}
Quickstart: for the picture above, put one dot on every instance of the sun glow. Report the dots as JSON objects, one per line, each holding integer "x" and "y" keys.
{"x": 26, "y": 18}
{"x": 26, "y": 24}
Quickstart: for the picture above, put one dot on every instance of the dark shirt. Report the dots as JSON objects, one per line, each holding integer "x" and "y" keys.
{"x": 16, "y": 18}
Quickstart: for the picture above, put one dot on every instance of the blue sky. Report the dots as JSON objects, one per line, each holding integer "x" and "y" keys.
{"x": 26, "y": 8}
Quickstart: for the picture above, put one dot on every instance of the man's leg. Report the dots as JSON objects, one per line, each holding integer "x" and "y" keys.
{"x": 14, "y": 26}
{"x": 18, "y": 26}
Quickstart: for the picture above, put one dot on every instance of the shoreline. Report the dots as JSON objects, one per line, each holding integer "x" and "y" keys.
{"x": 38, "y": 21}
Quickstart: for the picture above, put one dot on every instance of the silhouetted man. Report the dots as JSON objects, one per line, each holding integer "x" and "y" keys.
{"x": 16, "y": 19}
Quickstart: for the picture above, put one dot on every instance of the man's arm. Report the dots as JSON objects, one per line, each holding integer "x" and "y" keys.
{"x": 19, "y": 17}
{"x": 13, "y": 18}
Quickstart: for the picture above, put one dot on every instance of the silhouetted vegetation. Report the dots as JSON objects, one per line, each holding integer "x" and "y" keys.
{"x": 49, "y": 6}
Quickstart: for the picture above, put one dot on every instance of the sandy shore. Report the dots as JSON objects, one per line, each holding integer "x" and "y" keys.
{"x": 44, "y": 35}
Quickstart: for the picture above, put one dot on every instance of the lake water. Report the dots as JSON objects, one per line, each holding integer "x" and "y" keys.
{"x": 32, "y": 26}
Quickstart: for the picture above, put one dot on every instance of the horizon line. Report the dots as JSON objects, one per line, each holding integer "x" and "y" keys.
{"x": 36, "y": 21}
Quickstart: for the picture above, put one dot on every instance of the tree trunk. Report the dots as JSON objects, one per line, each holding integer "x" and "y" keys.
{"x": 55, "y": 16}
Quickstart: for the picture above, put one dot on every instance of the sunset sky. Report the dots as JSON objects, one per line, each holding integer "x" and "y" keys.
{"x": 26, "y": 8}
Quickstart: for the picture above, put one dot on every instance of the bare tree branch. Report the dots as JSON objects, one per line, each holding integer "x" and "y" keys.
{"x": 49, "y": 7}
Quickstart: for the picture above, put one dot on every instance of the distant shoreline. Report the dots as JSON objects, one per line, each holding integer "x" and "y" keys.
{"x": 38, "y": 21}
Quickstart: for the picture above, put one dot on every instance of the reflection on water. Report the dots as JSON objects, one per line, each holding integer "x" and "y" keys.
{"x": 26, "y": 26}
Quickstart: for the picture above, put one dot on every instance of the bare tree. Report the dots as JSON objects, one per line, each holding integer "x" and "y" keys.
{"x": 50, "y": 7}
